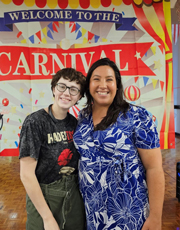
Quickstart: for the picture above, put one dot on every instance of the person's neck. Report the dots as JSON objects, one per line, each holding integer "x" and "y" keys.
{"x": 58, "y": 113}
{"x": 98, "y": 113}
{"x": 101, "y": 110}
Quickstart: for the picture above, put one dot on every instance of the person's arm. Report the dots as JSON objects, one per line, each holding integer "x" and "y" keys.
{"x": 32, "y": 187}
{"x": 152, "y": 161}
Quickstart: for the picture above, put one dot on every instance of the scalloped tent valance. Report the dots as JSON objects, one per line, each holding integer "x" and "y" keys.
{"x": 84, "y": 4}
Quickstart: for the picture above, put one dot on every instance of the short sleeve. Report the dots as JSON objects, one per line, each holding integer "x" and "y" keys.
{"x": 30, "y": 139}
{"x": 146, "y": 135}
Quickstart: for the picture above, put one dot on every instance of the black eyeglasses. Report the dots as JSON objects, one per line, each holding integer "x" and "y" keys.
{"x": 72, "y": 90}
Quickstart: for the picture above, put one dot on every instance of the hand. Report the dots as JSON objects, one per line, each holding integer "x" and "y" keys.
{"x": 152, "y": 224}
{"x": 51, "y": 224}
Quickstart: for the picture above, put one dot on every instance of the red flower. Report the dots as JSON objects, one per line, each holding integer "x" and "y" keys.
{"x": 65, "y": 157}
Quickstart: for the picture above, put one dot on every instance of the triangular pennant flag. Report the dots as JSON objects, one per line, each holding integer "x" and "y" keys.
{"x": 49, "y": 34}
{"x": 135, "y": 79}
{"x": 90, "y": 36}
{"x": 145, "y": 79}
{"x": 153, "y": 48}
{"x": 60, "y": 22}
{"x": 83, "y": 31}
{"x": 73, "y": 28}
{"x": 154, "y": 81}
{"x": 4, "y": 27}
{"x": 162, "y": 85}
{"x": 54, "y": 28}
{"x": 32, "y": 39}
{"x": 51, "y": 27}
{"x": 23, "y": 41}
{"x": 77, "y": 27}
{"x": 38, "y": 34}
{"x": 44, "y": 30}
{"x": 85, "y": 40}
{"x": 79, "y": 35}
{"x": 10, "y": 27}
{"x": 70, "y": 24}
{"x": 56, "y": 23}
{"x": 44, "y": 40}
{"x": 96, "y": 38}
{"x": 104, "y": 40}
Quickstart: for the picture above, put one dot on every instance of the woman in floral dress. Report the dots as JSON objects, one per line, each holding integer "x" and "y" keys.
{"x": 120, "y": 171}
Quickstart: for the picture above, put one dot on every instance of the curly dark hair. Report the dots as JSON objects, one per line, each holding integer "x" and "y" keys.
{"x": 71, "y": 75}
{"x": 118, "y": 105}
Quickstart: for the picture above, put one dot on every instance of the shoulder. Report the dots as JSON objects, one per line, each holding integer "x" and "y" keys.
{"x": 37, "y": 114}
{"x": 70, "y": 121}
{"x": 33, "y": 125}
{"x": 142, "y": 118}
{"x": 141, "y": 113}
{"x": 83, "y": 115}
{"x": 36, "y": 118}
{"x": 136, "y": 116}
{"x": 131, "y": 112}
{"x": 136, "y": 108}
{"x": 135, "y": 111}
{"x": 72, "y": 118}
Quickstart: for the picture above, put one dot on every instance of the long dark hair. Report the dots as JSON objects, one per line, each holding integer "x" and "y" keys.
{"x": 118, "y": 105}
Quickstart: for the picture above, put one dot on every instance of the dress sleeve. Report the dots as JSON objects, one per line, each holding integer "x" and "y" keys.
{"x": 146, "y": 135}
{"x": 30, "y": 139}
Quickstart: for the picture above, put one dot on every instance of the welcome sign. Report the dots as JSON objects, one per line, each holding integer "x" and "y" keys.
{"x": 37, "y": 38}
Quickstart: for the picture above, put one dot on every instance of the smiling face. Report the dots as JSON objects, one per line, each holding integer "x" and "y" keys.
{"x": 65, "y": 100}
{"x": 102, "y": 86}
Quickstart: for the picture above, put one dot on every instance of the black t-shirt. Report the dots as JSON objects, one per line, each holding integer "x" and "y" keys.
{"x": 50, "y": 142}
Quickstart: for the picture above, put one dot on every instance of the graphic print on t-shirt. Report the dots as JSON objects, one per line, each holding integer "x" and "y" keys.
{"x": 65, "y": 157}
{"x": 60, "y": 136}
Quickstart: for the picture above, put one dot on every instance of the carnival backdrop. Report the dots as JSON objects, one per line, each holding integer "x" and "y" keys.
{"x": 37, "y": 38}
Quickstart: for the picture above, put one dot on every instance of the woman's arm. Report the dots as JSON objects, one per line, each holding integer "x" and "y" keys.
{"x": 30, "y": 182}
{"x": 152, "y": 161}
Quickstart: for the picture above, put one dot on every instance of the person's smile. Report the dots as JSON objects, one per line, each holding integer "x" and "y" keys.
{"x": 65, "y": 99}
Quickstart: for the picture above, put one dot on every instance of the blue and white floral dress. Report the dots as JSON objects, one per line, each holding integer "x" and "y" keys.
{"x": 112, "y": 176}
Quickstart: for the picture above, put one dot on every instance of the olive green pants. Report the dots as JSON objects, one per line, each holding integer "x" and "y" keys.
{"x": 65, "y": 202}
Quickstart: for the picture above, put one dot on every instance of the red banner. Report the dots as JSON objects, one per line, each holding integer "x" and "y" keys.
{"x": 18, "y": 63}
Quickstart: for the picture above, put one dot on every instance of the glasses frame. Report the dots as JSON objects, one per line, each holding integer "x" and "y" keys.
{"x": 67, "y": 87}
